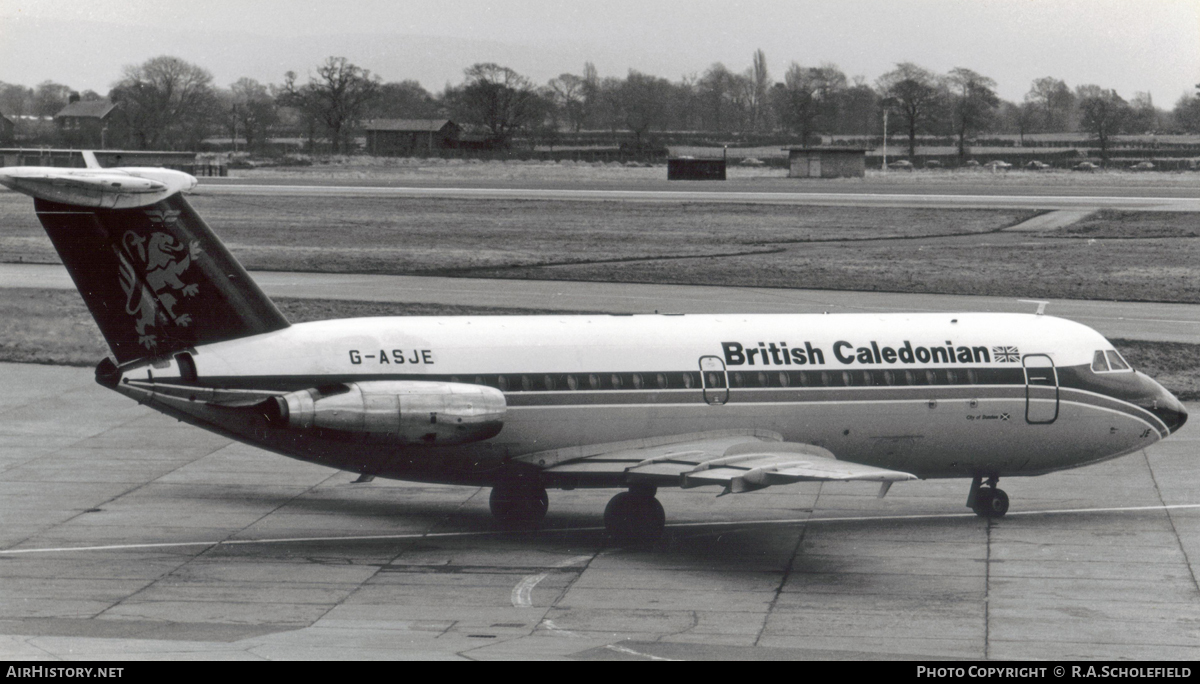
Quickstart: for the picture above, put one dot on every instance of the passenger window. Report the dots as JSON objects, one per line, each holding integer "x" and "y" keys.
{"x": 847, "y": 379}
{"x": 762, "y": 380}
{"x": 526, "y": 383}
{"x": 616, "y": 381}
{"x": 638, "y": 383}
{"x": 661, "y": 379}
{"x": 572, "y": 382}
{"x": 594, "y": 381}
{"x": 889, "y": 378}
{"x": 688, "y": 380}
{"x": 1098, "y": 363}
{"x": 501, "y": 383}
{"x": 1116, "y": 362}
{"x": 739, "y": 380}
{"x": 784, "y": 380}
{"x": 548, "y": 381}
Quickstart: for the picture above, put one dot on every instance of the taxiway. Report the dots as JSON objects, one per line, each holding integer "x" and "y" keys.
{"x": 128, "y": 535}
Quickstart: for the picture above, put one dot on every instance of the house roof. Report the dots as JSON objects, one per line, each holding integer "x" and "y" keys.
{"x": 409, "y": 125}
{"x": 91, "y": 109}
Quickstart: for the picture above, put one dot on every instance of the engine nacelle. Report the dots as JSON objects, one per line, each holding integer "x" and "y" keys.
{"x": 408, "y": 412}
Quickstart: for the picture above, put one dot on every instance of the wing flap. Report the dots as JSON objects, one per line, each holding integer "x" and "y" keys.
{"x": 737, "y": 461}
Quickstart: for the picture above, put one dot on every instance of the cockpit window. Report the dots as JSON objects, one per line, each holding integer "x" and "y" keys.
{"x": 1116, "y": 362}
{"x": 1098, "y": 363}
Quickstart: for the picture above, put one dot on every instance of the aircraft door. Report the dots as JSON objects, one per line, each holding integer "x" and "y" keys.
{"x": 714, "y": 380}
{"x": 1041, "y": 389}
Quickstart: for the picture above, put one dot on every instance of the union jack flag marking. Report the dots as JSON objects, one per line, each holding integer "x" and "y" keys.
{"x": 1006, "y": 354}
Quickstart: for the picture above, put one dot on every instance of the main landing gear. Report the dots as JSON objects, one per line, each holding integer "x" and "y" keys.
{"x": 519, "y": 504}
{"x": 635, "y": 516}
{"x": 987, "y": 501}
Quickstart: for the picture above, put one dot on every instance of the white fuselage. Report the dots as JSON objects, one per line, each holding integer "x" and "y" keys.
{"x": 937, "y": 395}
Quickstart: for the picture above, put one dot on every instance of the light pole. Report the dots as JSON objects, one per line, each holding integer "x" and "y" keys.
{"x": 887, "y": 103}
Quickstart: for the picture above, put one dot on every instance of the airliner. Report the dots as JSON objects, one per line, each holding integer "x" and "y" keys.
{"x": 523, "y": 404}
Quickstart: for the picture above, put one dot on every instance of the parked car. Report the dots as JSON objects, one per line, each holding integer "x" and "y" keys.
{"x": 933, "y": 164}
{"x": 751, "y": 161}
{"x": 1086, "y": 166}
{"x": 971, "y": 164}
{"x": 1035, "y": 165}
{"x": 1143, "y": 166}
{"x": 997, "y": 165}
{"x": 902, "y": 164}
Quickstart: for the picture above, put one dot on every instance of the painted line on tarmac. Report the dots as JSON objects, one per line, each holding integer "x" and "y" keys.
{"x": 559, "y": 530}
{"x": 639, "y": 654}
{"x": 522, "y": 594}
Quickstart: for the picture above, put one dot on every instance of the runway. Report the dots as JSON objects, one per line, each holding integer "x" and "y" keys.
{"x": 1128, "y": 320}
{"x": 129, "y": 535}
{"x": 984, "y": 198}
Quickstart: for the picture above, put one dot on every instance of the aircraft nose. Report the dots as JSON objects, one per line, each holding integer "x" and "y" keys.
{"x": 1168, "y": 409}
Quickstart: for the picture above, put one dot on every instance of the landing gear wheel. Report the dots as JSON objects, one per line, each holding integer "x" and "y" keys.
{"x": 634, "y": 517}
{"x": 991, "y": 503}
{"x": 519, "y": 505}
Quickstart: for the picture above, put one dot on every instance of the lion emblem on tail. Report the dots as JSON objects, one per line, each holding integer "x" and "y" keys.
{"x": 150, "y": 276}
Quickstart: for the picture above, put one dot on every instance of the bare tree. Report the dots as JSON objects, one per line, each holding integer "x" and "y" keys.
{"x": 166, "y": 101}
{"x": 643, "y": 103}
{"x": 758, "y": 100}
{"x": 252, "y": 111}
{"x": 1054, "y": 102}
{"x": 1103, "y": 113}
{"x": 497, "y": 99}
{"x": 974, "y": 102}
{"x": 404, "y": 100}
{"x": 916, "y": 97}
{"x": 50, "y": 97}
{"x": 795, "y": 101}
{"x": 337, "y": 96}
{"x": 568, "y": 92}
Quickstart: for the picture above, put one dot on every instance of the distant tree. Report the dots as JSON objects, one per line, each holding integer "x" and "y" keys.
{"x": 795, "y": 102}
{"x": 252, "y": 110}
{"x": 496, "y": 99}
{"x": 643, "y": 103}
{"x": 1054, "y": 103}
{"x": 830, "y": 92}
{"x": 860, "y": 110}
{"x": 337, "y": 96}
{"x": 1187, "y": 112}
{"x": 916, "y": 96}
{"x": 591, "y": 93}
{"x": 404, "y": 100}
{"x": 568, "y": 92}
{"x": 50, "y": 97}
{"x": 717, "y": 97}
{"x": 15, "y": 100}
{"x": 973, "y": 104}
{"x": 1103, "y": 114}
{"x": 90, "y": 96}
{"x": 166, "y": 101}
{"x": 758, "y": 99}
{"x": 1143, "y": 115}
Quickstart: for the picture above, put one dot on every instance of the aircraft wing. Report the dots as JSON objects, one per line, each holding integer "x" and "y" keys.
{"x": 738, "y": 460}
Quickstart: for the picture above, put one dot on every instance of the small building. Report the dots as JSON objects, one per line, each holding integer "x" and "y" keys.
{"x": 401, "y": 137}
{"x": 827, "y": 162}
{"x": 688, "y": 168}
{"x": 84, "y": 123}
{"x": 8, "y": 130}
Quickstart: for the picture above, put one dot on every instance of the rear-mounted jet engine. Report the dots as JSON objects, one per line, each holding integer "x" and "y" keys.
{"x": 402, "y": 411}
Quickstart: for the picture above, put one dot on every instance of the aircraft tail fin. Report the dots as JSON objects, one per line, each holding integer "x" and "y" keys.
{"x": 154, "y": 276}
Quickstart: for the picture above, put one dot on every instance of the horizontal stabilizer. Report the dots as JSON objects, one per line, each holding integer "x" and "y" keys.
{"x": 124, "y": 188}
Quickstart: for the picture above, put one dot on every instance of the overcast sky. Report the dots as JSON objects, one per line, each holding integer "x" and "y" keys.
{"x": 1129, "y": 45}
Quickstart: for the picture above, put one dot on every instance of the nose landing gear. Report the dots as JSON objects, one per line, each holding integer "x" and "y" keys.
{"x": 987, "y": 501}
